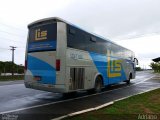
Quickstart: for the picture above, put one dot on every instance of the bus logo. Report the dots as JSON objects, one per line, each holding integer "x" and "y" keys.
{"x": 114, "y": 67}
{"x": 40, "y": 35}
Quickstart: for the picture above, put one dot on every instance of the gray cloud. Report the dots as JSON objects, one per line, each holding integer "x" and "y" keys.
{"x": 113, "y": 19}
{"x": 116, "y": 19}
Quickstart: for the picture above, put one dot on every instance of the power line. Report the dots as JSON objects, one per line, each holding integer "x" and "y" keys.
{"x": 11, "y": 40}
{"x": 21, "y": 47}
{"x": 3, "y": 48}
{"x": 138, "y": 36}
{"x": 12, "y": 33}
{"x": 6, "y": 49}
{"x": 9, "y": 26}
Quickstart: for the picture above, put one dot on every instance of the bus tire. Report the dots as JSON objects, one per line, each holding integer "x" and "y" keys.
{"x": 69, "y": 94}
{"x": 98, "y": 84}
{"x": 129, "y": 79}
{"x": 91, "y": 91}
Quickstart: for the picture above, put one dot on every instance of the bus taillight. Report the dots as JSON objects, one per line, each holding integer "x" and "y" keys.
{"x": 58, "y": 63}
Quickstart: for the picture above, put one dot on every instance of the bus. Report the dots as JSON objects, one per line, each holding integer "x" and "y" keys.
{"x": 61, "y": 57}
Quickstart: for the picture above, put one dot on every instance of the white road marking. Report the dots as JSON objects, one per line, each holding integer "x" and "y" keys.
{"x": 83, "y": 111}
{"x": 98, "y": 107}
{"x": 135, "y": 94}
{"x": 156, "y": 83}
{"x": 35, "y": 106}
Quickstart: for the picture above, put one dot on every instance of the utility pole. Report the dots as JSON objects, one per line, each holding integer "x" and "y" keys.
{"x": 13, "y": 48}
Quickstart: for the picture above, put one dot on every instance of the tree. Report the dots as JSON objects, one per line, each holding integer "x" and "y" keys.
{"x": 155, "y": 66}
{"x": 6, "y": 67}
{"x": 138, "y": 69}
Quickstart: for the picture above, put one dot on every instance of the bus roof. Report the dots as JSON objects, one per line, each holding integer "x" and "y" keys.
{"x": 57, "y": 19}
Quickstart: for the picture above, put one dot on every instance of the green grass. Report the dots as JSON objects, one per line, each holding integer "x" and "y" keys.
{"x": 8, "y": 78}
{"x": 128, "y": 109}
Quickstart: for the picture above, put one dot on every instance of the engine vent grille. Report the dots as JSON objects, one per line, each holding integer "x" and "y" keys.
{"x": 77, "y": 78}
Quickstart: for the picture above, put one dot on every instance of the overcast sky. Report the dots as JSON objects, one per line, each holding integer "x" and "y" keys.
{"x": 133, "y": 24}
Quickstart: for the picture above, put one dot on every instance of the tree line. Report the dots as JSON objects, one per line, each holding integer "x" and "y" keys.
{"x": 6, "y": 67}
{"x": 155, "y": 66}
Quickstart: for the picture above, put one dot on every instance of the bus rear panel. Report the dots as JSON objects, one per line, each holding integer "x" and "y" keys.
{"x": 43, "y": 62}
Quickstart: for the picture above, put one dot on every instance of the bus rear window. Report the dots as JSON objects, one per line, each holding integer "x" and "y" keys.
{"x": 42, "y": 37}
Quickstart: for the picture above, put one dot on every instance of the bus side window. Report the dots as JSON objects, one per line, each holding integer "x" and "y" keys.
{"x": 93, "y": 39}
{"x": 72, "y": 31}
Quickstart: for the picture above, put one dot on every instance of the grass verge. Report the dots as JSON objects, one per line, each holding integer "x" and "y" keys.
{"x": 8, "y": 78}
{"x": 142, "y": 106}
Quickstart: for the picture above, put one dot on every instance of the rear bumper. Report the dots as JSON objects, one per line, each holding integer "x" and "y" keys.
{"x": 46, "y": 87}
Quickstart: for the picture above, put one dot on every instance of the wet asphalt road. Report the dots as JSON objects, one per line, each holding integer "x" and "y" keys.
{"x": 30, "y": 104}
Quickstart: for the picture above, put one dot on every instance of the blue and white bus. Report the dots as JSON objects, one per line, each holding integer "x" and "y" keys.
{"x": 61, "y": 57}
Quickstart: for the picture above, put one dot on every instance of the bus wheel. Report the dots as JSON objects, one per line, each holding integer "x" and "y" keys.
{"x": 129, "y": 79}
{"x": 98, "y": 84}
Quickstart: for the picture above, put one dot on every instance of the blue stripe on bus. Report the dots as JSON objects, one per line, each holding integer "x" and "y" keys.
{"x": 38, "y": 46}
{"x": 42, "y": 69}
{"x": 101, "y": 64}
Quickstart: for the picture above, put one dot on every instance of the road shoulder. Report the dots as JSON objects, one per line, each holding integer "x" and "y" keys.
{"x": 2, "y": 83}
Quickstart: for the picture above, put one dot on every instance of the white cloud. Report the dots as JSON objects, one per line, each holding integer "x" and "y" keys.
{"x": 146, "y": 48}
{"x": 116, "y": 20}
{"x": 20, "y": 10}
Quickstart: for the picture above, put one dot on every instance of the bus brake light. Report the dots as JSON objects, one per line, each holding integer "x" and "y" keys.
{"x": 58, "y": 63}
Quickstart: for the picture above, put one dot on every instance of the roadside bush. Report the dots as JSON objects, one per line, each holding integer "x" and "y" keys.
{"x": 138, "y": 69}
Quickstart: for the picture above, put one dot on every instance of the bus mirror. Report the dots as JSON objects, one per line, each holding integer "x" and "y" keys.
{"x": 136, "y": 61}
